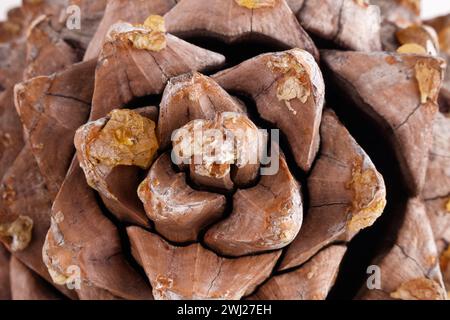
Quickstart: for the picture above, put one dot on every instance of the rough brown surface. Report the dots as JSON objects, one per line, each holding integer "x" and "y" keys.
{"x": 123, "y": 10}
{"x": 442, "y": 27}
{"x": 11, "y": 141}
{"x": 414, "y": 107}
{"x": 5, "y": 286}
{"x": 134, "y": 73}
{"x": 26, "y": 285}
{"x": 75, "y": 238}
{"x": 288, "y": 90}
{"x": 346, "y": 194}
{"x": 189, "y": 97}
{"x": 351, "y": 24}
{"x": 31, "y": 200}
{"x": 47, "y": 51}
{"x": 410, "y": 269}
{"x": 195, "y": 273}
{"x": 266, "y": 217}
{"x": 233, "y": 21}
{"x": 43, "y": 104}
{"x": 311, "y": 281}
{"x": 436, "y": 192}
{"x": 179, "y": 212}
{"x": 224, "y": 149}
{"x": 112, "y": 150}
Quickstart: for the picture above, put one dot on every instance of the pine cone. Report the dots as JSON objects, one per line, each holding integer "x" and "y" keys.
{"x": 224, "y": 149}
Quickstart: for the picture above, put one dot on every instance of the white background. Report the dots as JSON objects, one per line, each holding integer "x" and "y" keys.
{"x": 431, "y": 8}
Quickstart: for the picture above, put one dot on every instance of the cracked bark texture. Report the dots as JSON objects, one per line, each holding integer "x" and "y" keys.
{"x": 347, "y": 23}
{"x": 436, "y": 192}
{"x": 410, "y": 268}
{"x": 28, "y": 192}
{"x": 298, "y": 117}
{"x": 75, "y": 237}
{"x": 13, "y": 54}
{"x": 23, "y": 58}
{"x": 234, "y": 22}
{"x": 408, "y": 119}
{"x": 311, "y": 281}
{"x": 338, "y": 209}
{"x": 30, "y": 199}
{"x": 250, "y": 239}
{"x": 43, "y": 104}
{"x": 91, "y": 14}
{"x": 124, "y": 10}
{"x": 196, "y": 273}
{"x": 136, "y": 73}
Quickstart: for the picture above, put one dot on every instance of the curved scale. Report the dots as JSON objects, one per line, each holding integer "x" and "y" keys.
{"x": 26, "y": 285}
{"x": 123, "y": 10}
{"x": 312, "y": 281}
{"x": 189, "y": 97}
{"x": 191, "y": 273}
{"x": 354, "y": 25}
{"x": 64, "y": 105}
{"x": 178, "y": 211}
{"x": 266, "y": 217}
{"x": 346, "y": 194}
{"x": 80, "y": 236}
{"x": 114, "y": 149}
{"x": 372, "y": 80}
{"x": 25, "y": 207}
{"x": 436, "y": 192}
{"x": 47, "y": 52}
{"x": 222, "y": 152}
{"x": 289, "y": 92}
{"x": 410, "y": 268}
{"x": 234, "y": 20}
{"x": 127, "y": 70}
